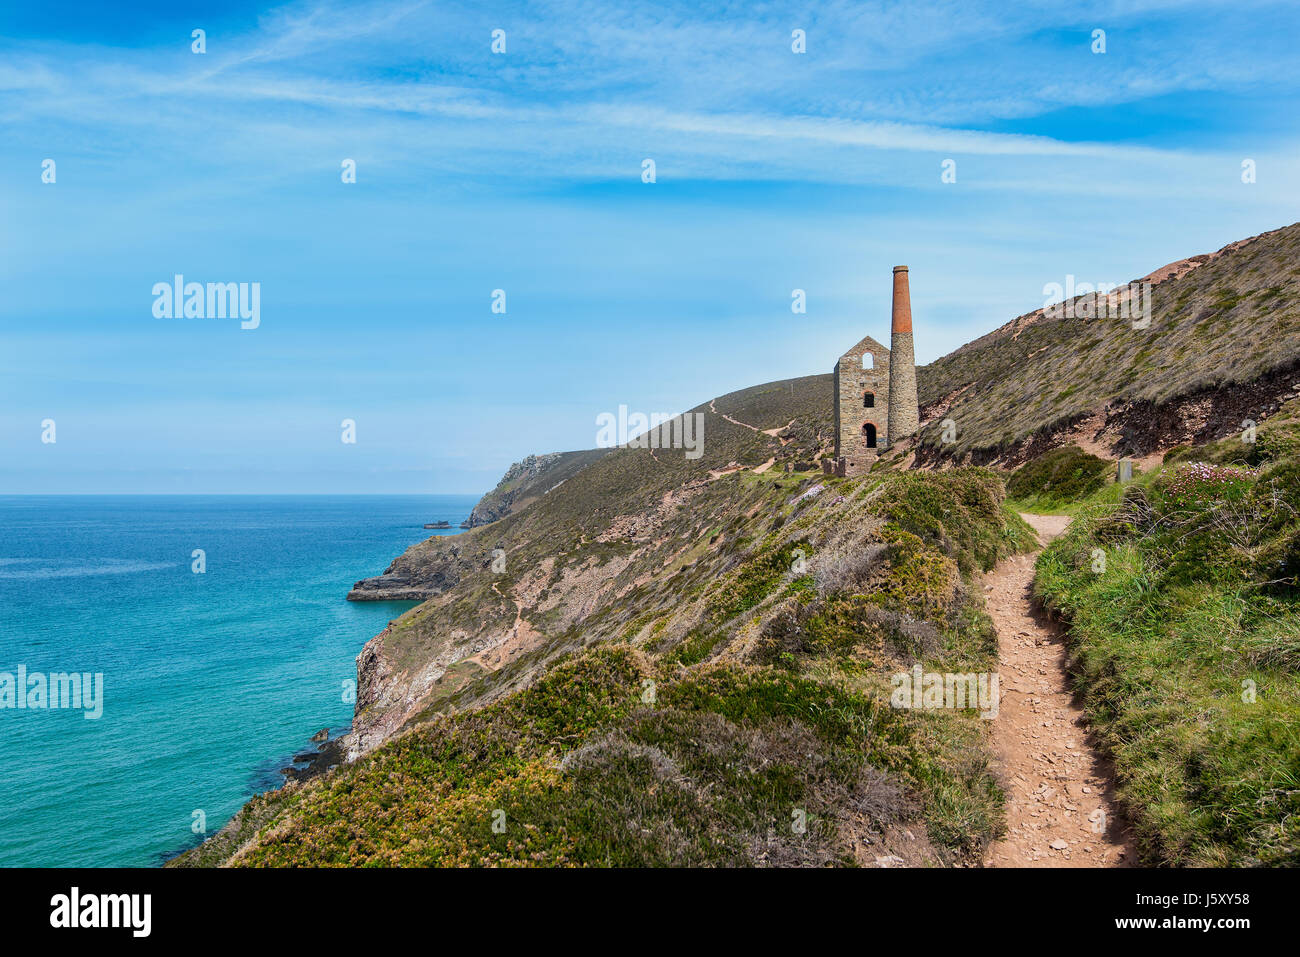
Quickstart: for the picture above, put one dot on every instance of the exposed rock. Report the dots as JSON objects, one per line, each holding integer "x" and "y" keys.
{"x": 416, "y": 574}
{"x": 1142, "y": 428}
{"x": 327, "y": 757}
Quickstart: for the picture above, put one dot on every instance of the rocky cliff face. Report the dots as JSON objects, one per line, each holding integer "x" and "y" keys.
{"x": 496, "y": 504}
{"x": 438, "y": 564}
{"x": 604, "y": 525}
{"x": 422, "y": 571}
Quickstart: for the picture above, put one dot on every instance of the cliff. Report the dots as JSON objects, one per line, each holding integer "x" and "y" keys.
{"x": 679, "y": 656}
{"x": 702, "y": 683}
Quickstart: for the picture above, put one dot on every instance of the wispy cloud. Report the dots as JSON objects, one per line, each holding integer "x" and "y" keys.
{"x": 476, "y": 171}
{"x": 869, "y": 80}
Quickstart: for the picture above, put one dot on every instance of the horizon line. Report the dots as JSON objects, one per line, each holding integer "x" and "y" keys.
{"x": 230, "y": 494}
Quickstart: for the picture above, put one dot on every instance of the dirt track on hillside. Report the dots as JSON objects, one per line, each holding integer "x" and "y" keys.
{"x": 1061, "y": 809}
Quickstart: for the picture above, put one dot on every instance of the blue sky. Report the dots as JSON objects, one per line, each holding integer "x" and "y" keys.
{"x": 522, "y": 171}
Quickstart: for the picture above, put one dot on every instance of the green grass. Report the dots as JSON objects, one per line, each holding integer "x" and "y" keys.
{"x": 1057, "y": 478}
{"x": 705, "y": 745}
{"x": 756, "y": 579}
{"x": 1208, "y": 330}
{"x": 1183, "y": 603}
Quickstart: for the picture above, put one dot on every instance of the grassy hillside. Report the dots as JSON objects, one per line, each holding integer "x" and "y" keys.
{"x": 526, "y": 481}
{"x": 1183, "y": 601}
{"x": 579, "y": 562}
{"x": 802, "y": 408}
{"x": 646, "y": 658}
{"x": 730, "y": 707}
{"x": 1231, "y": 321}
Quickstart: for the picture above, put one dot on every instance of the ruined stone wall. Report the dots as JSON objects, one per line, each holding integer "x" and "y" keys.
{"x": 852, "y": 382}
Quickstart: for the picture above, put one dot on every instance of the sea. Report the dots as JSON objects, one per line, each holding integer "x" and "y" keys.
{"x": 221, "y": 631}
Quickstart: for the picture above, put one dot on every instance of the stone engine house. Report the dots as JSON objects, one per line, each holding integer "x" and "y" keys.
{"x": 875, "y": 391}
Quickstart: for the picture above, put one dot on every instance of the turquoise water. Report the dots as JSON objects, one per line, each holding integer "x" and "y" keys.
{"x": 211, "y": 681}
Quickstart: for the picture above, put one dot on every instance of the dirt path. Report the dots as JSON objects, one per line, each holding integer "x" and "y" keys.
{"x": 522, "y": 637}
{"x": 752, "y": 428}
{"x": 1060, "y": 795}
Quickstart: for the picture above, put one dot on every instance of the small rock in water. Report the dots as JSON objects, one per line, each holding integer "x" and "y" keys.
{"x": 322, "y": 735}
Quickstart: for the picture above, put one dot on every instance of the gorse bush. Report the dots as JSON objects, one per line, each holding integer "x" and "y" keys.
{"x": 960, "y": 511}
{"x": 756, "y": 579}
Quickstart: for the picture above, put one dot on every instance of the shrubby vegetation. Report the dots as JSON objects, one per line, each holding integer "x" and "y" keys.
{"x": 748, "y": 725}
{"x": 1056, "y": 478}
{"x": 1184, "y": 607}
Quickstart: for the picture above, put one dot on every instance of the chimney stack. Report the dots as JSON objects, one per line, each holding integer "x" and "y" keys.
{"x": 902, "y": 316}
{"x": 904, "y": 408}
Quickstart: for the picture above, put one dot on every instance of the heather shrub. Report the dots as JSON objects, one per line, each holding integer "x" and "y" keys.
{"x": 1058, "y": 477}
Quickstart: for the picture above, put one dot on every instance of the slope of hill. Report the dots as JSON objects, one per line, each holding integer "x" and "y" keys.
{"x": 525, "y": 481}
{"x": 761, "y": 609}
{"x": 707, "y": 683}
{"x": 1222, "y": 346}
{"x": 620, "y": 481}
{"x": 682, "y": 661}
{"x": 1183, "y": 599}
{"x": 607, "y": 532}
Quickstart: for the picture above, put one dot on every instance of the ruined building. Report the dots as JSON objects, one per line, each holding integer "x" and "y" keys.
{"x": 875, "y": 391}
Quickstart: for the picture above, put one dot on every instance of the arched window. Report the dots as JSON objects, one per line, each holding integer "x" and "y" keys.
{"x": 869, "y": 433}
{"x": 868, "y": 360}
{"x": 869, "y": 400}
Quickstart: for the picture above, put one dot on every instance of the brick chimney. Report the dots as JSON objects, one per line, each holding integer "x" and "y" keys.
{"x": 904, "y": 409}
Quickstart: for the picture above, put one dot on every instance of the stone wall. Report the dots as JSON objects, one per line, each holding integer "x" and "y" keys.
{"x": 852, "y": 383}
